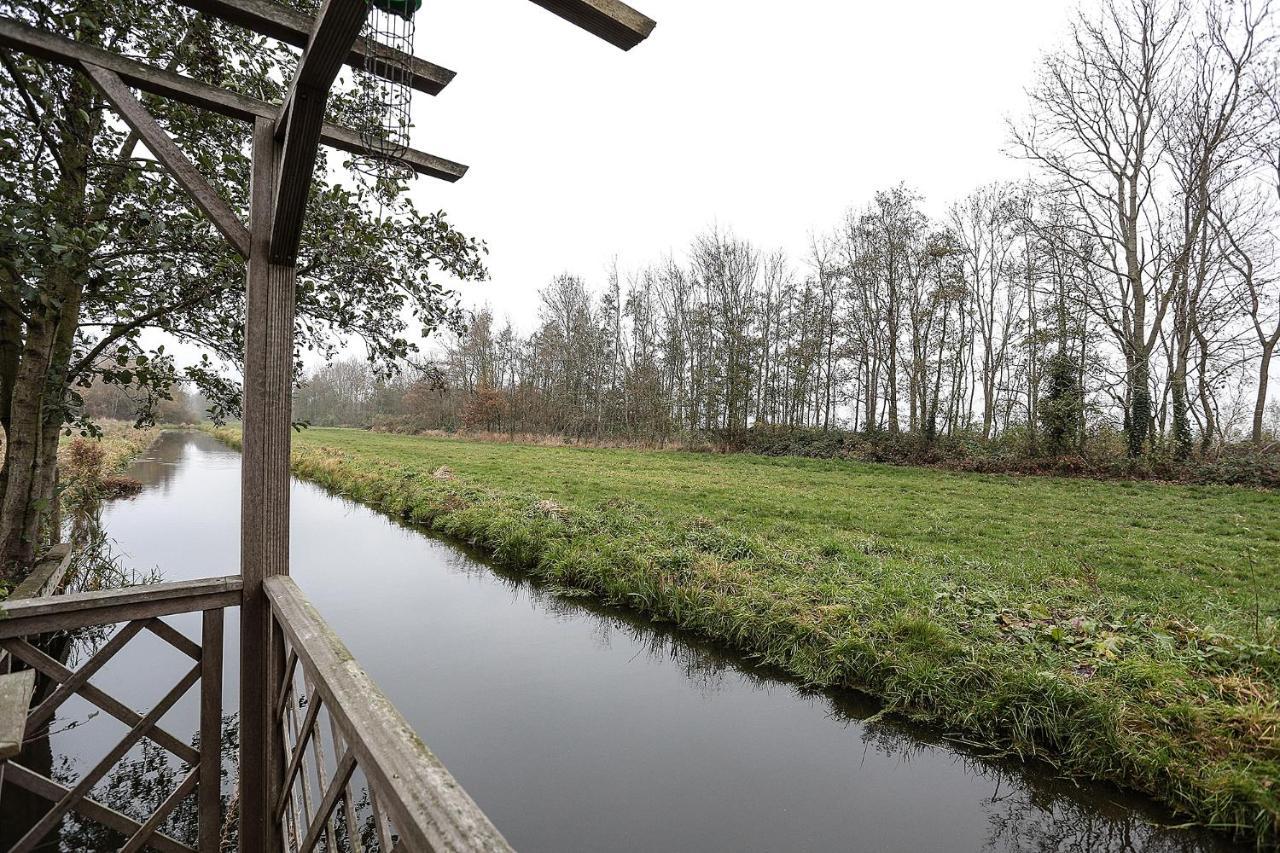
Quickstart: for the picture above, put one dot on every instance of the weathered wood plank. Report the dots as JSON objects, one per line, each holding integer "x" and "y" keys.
{"x": 302, "y": 115}
{"x": 210, "y": 802}
{"x": 106, "y": 607}
{"x": 169, "y": 84}
{"x": 293, "y": 27}
{"x": 52, "y": 791}
{"x": 166, "y": 151}
{"x": 47, "y": 575}
{"x": 16, "y": 691}
{"x": 346, "y": 139}
{"x": 616, "y": 23}
{"x": 428, "y": 807}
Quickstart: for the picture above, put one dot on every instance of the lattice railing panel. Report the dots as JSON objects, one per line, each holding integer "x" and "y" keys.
{"x": 324, "y": 802}
{"x": 354, "y": 778}
{"x": 200, "y": 767}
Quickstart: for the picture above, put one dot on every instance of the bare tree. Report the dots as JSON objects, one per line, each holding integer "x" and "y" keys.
{"x": 1096, "y": 130}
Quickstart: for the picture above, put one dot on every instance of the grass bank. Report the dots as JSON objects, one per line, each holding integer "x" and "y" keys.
{"x": 1123, "y": 631}
{"x": 92, "y": 469}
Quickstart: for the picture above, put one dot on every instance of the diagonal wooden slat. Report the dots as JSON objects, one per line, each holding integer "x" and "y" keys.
{"x": 303, "y": 809}
{"x": 177, "y": 163}
{"x": 301, "y": 736}
{"x": 49, "y": 667}
{"x": 46, "y": 709}
{"x": 174, "y": 637}
{"x": 42, "y": 827}
{"x": 41, "y": 786}
{"x": 320, "y": 823}
{"x": 348, "y": 804}
{"x": 286, "y": 684}
{"x": 148, "y": 829}
{"x": 318, "y": 756}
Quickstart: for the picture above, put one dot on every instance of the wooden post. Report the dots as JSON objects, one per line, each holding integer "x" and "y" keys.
{"x": 264, "y": 501}
{"x": 210, "y": 785}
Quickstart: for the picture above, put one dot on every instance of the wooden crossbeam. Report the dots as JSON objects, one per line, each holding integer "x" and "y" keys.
{"x": 171, "y": 157}
{"x": 82, "y": 788}
{"x": 107, "y": 607}
{"x": 169, "y": 84}
{"x": 293, "y": 27}
{"x": 616, "y": 23}
{"x": 302, "y": 116}
{"x": 80, "y": 677}
{"x": 42, "y": 786}
{"x": 54, "y": 670}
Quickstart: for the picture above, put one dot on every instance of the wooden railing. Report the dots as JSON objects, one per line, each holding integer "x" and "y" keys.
{"x": 138, "y": 609}
{"x": 353, "y": 776}
{"x": 408, "y": 800}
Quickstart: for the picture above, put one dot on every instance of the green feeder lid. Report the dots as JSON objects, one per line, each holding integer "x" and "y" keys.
{"x": 403, "y": 8}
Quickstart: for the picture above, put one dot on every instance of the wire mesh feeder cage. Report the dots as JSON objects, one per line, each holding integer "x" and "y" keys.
{"x": 384, "y": 91}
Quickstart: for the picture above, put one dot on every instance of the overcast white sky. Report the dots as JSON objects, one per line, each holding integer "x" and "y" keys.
{"x": 767, "y": 118}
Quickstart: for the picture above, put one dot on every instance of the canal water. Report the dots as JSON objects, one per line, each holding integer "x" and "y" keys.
{"x": 579, "y": 728}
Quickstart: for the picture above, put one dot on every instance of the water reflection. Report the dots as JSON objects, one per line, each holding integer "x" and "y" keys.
{"x": 581, "y": 727}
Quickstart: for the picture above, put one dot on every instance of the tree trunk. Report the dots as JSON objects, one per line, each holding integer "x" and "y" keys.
{"x": 1260, "y": 407}
{"x": 40, "y": 379}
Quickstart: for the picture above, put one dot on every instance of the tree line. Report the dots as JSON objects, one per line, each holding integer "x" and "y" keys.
{"x": 1131, "y": 287}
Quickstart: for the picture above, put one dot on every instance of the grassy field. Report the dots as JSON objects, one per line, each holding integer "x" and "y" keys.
{"x": 1125, "y": 631}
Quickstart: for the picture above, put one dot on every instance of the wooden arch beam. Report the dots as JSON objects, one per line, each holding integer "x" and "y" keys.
{"x": 290, "y": 26}
{"x": 302, "y": 118}
{"x": 615, "y": 22}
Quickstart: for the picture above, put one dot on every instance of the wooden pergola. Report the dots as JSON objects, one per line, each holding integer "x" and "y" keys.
{"x": 291, "y": 664}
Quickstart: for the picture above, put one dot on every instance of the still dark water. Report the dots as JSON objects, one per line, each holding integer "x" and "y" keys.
{"x": 582, "y": 729}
